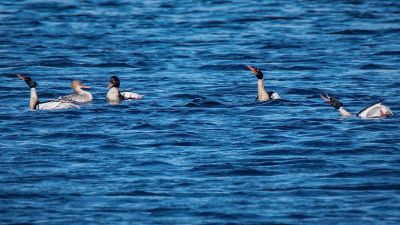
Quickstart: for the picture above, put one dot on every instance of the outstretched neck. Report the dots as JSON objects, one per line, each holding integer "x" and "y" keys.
{"x": 78, "y": 91}
{"x": 262, "y": 93}
{"x": 82, "y": 92}
{"x": 34, "y": 100}
{"x": 344, "y": 112}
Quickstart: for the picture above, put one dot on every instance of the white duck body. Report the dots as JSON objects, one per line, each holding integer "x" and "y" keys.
{"x": 113, "y": 95}
{"x": 376, "y": 110}
{"x": 54, "y": 105}
{"x": 274, "y": 95}
{"x": 50, "y": 105}
{"x": 131, "y": 95}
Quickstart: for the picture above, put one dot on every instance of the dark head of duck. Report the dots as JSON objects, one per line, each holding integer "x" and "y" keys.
{"x": 256, "y": 72}
{"x": 31, "y": 83}
{"x": 114, "y": 82}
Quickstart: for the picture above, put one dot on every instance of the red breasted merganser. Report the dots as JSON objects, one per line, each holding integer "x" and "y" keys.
{"x": 263, "y": 95}
{"x": 114, "y": 95}
{"x": 80, "y": 96}
{"x": 377, "y": 110}
{"x": 35, "y": 104}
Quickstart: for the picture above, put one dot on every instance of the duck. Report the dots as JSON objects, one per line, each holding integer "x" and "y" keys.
{"x": 80, "y": 96}
{"x": 263, "y": 95}
{"x": 35, "y": 104}
{"x": 114, "y": 95}
{"x": 376, "y": 110}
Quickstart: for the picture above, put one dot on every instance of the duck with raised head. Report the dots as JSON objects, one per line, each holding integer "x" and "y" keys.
{"x": 115, "y": 95}
{"x": 79, "y": 96}
{"x": 35, "y": 104}
{"x": 263, "y": 95}
{"x": 376, "y": 110}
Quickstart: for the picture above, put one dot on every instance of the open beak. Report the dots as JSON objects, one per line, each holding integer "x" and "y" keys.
{"x": 21, "y": 77}
{"x": 109, "y": 85}
{"x": 326, "y": 97}
{"x": 84, "y": 86}
{"x": 254, "y": 70}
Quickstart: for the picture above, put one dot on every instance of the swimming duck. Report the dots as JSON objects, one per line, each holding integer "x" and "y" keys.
{"x": 80, "y": 96}
{"x": 263, "y": 95}
{"x": 35, "y": 104}
{"x": 376, "y": 110}
{"x": 114, "y": 95}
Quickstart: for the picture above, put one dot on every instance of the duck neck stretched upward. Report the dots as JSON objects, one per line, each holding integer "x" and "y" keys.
{"x": 85, "y": 93}
{"x": 79, "y": 91}
{"x": 262, "y": 93}
{"x": 34, "y": 100}
{"x": 344, "y": 112}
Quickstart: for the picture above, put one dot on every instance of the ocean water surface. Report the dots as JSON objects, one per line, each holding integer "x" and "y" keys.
{"x": 198, "y": 149}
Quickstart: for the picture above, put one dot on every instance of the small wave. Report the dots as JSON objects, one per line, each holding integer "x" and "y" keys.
{"x": 299, "y": 91}
{"x": 247, "y": 20}
{"x": 155, "y": 163}
{"x": 363, "y": 15}
{"x": 137, "y": 193}
{"x": 363, "y": 187}
{"x": 242, "y": 172}
{"x": 49, "y": 6}
{"x": 355, "y": 32}
{"x": 165, "y": 211}
{"x": 281, "y": 17}
{"x": 105, "y": 65}
{"x": 203, "y": 102}
{"x": 230, "y": 67}
{"x": 388, "y": 53}
{"x": 211, "y": 24}
{"x": 366, "y": 173}
{"x": 280, "y": 46}
{"x": 76, "y": 135}
{"x": 58, "y": 63}
{"x": 373, "y": 66}
{"x": 110, "y": 3}
{"x": 167, "y": 6}
{"x": 392, "y": 31}
{"x": 297, "y": 68}
{"x": 188, "y": 96}
{"x": 143, "y": 126}
{"x": 300, "y": 216}
{"x": 22, "y": 195}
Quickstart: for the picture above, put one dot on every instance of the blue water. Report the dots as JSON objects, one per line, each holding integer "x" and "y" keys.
{"x": 198, "y": 149}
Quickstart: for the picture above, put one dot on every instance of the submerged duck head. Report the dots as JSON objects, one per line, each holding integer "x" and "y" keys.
{"x": 77, "y": 85}
{"x": 386, "y": 112}
{"x": 114, "y": 82}
{"x": 31, "y": 83}
{"x": 256, "y": 72}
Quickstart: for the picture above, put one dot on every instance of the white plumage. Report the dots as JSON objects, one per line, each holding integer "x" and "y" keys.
{"x": 131, "y": 95}
{"x": 52, "y": 105}
{"x": 375, "y": 111}
{"x": 275, "y": 96}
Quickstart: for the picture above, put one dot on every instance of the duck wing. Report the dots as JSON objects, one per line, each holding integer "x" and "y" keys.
{"x": 374, "y": 111}
{"x": 54, "y": 105}
{"x": 130, "y": 95}
{"x": 75, "y": 98}
{"x": 69, "y": 98}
